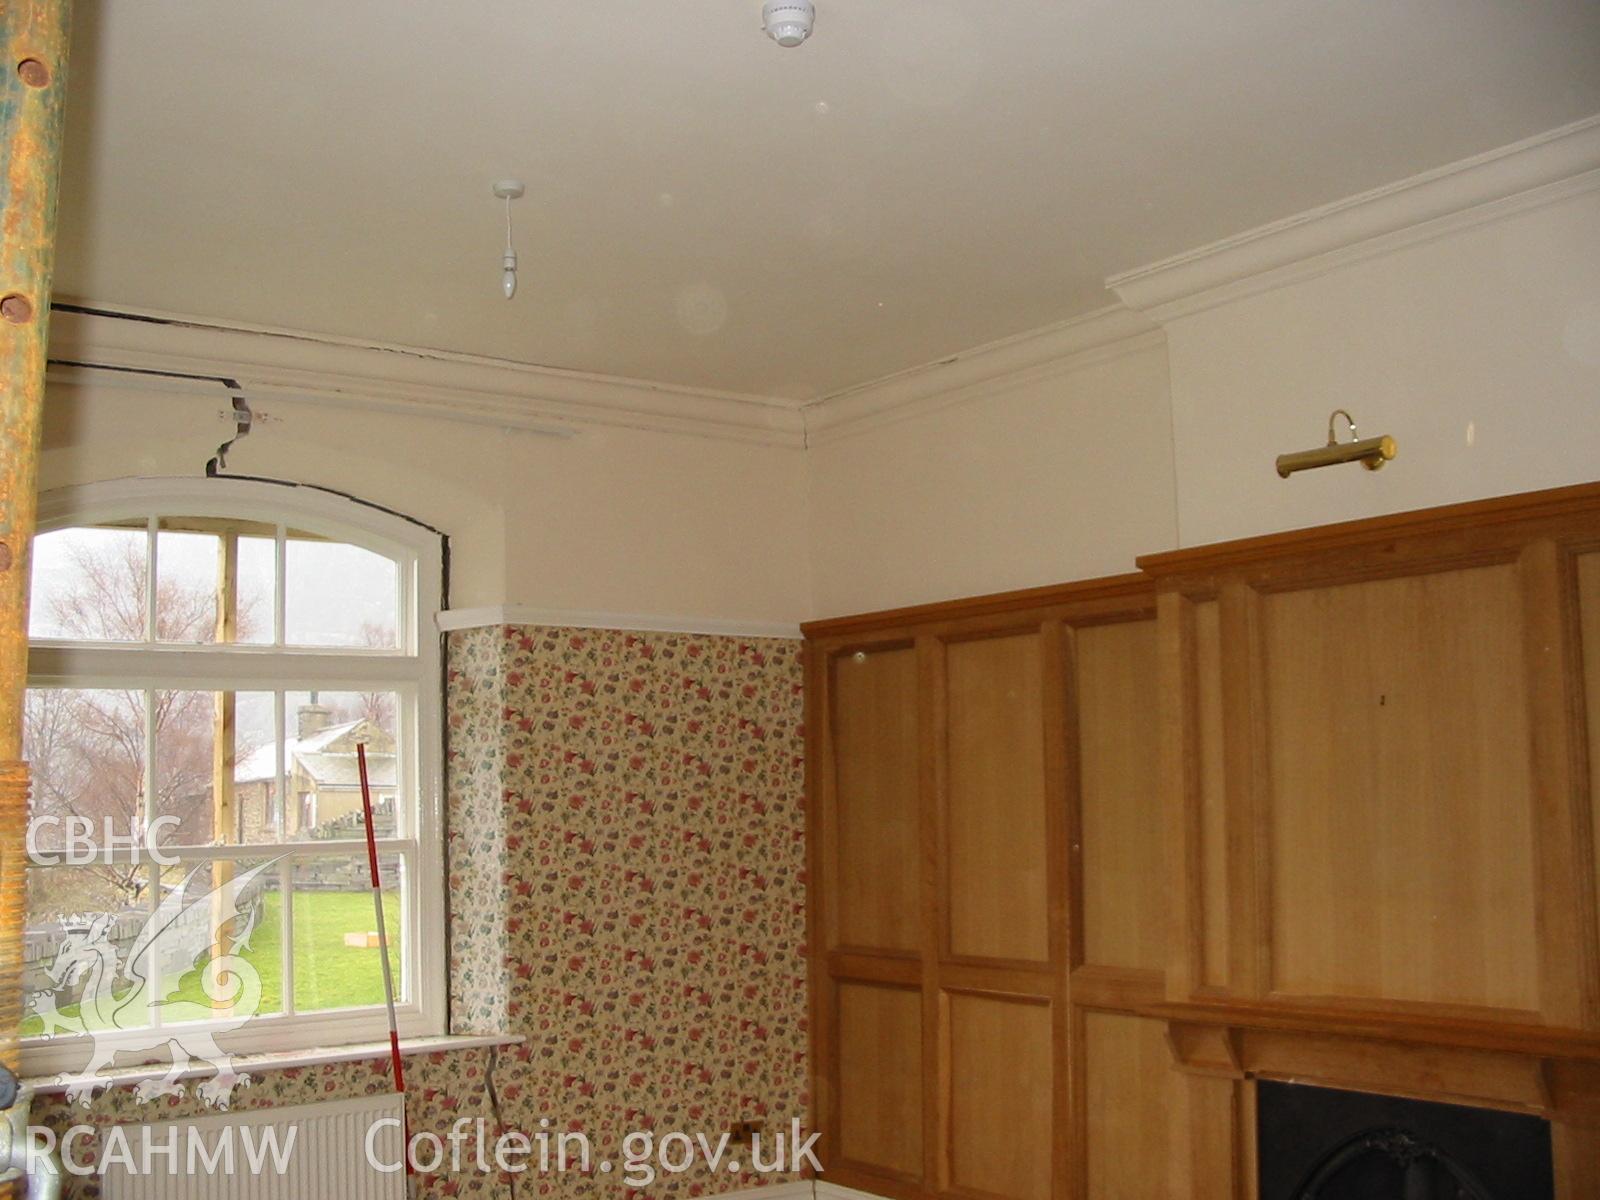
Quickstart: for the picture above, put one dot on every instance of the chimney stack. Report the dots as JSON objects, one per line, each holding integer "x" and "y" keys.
{"x": 311, "y": 719}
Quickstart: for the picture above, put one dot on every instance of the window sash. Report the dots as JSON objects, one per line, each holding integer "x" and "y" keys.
{"x": 332, "y": 848}
{"x": 407, "y": 581}
{"x": 287, "y": 1028}
{"x": 410, "y": 767}
{"x": 235, "y": 669}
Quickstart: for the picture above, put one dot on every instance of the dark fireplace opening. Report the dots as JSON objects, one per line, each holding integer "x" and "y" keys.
{"x": 1323, "y": 1144}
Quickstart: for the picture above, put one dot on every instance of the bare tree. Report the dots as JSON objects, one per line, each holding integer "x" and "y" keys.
{"x": 377, "y": 707}
{"x": 87, "y": 747}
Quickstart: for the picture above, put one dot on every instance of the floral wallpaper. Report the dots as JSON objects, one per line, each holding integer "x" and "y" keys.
{"x": 479, "y": 880}
{"x": 649, "y": 830}
{"x": 626, "y": 860}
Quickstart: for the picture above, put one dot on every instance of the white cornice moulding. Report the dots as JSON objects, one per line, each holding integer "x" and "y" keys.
{"x": 982, "y": 371}
{"x": 425, "y": 383}
{"x": 556, "y": 618}
{"x": 1536, "y": 171}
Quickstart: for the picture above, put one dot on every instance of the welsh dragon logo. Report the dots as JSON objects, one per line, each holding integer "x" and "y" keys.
{"x": 119, "y": 996}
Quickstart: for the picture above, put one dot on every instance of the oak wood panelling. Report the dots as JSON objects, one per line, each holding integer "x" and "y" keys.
{"x": 875, "y": 809}
{"x": 1400, "y": 843}
{"x": 1576, "y": 1149}
{"x": 1194, "y": 808}
{"x": 1375, "y": 839}
{"x": 1133, "y": 1105}
{"x": 1001, "y": 1077}
{"x": 996, "y": 899}
{"x": 1213, "y": 831}
{"x": 880, "y": 1085}
{"x": 1118, "y": 747}
{"x": 999, "y": 690}
{"x": 1565, "y": 899}
{"x": 1588, "y": 578}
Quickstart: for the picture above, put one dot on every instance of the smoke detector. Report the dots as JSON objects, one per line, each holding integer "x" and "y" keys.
{"x": 788, "y": 22}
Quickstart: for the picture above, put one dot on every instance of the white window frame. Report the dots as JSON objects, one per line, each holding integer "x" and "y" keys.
{"x": 412, "y": 670}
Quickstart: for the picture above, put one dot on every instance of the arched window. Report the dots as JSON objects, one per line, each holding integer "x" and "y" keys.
{"x": 205, "y": 656}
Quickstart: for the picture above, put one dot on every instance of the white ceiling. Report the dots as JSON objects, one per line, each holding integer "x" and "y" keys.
{"x": 707, "y": 209}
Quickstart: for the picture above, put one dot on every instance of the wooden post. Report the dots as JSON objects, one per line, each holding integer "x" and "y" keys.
{"x": 33, "y": 76}
{"x": 223, "y": 819}
{"x": 224, "y": 746}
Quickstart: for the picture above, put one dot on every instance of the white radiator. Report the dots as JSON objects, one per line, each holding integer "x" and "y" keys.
{"x": 325, "y": 1160}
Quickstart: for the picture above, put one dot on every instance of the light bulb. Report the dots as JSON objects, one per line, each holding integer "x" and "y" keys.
{"x": 508, "y": 278}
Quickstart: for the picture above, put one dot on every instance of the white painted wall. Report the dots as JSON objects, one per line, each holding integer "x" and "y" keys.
{"x": 1478, "y": 351}
{"x": 1063, "y": 478}
{"x": 615, "y": 519}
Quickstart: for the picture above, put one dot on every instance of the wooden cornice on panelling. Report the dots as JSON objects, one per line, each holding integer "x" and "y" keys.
{"x": 1538, "y": 170}
{"x": 1351, "y": 548}
{"x": 271, "y": 363}
{"x": 1115, "y": 588}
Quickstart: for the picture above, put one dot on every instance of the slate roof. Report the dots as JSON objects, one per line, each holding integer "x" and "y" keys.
{"x": 324, "y": 767}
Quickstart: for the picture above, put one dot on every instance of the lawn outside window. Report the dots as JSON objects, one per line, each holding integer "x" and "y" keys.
{"x": 205, "y": 657}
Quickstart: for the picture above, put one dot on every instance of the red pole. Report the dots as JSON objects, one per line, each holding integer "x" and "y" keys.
{"x": 383, "y": 951}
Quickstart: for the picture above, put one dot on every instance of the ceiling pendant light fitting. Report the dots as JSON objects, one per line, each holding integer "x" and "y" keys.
{"x": 509, "y": 190}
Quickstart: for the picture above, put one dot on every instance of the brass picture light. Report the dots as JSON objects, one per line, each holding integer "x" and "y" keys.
{"x": 1371, "y": 453}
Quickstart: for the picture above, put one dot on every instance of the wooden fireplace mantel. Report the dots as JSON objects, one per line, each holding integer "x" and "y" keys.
{"x": 1549, "y": 1072}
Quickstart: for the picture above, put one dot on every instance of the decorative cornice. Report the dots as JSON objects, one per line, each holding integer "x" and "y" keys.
{"x": 555, "y": 618}
{"x": 1536, "y": 171}
{"x": 983, "y": 371}
{"x": 430, "y": 383}
{"x": 505, "y": 394}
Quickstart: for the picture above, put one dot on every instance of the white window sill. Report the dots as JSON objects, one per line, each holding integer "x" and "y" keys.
{"x": 283, "y": 1060}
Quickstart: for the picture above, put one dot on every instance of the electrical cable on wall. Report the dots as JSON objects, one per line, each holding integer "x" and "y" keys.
{"x": 243, "y": 419}
{"x": 494, "y": 1108}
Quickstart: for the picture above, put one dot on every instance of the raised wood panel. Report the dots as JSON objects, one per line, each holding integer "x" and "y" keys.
{"x": 1588, "y": 571}
{"x": 1213, "y": 823}
{"x": 1400, "y": 836}
{"x": 1124, "y": 888}
{"x": 879, "y": 1105}
{"x": 995, "y": 844}
{"x": 876, "y": 810}
{"x": 1133, "y": 1103}
{"x": 1000, "y": 1096}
